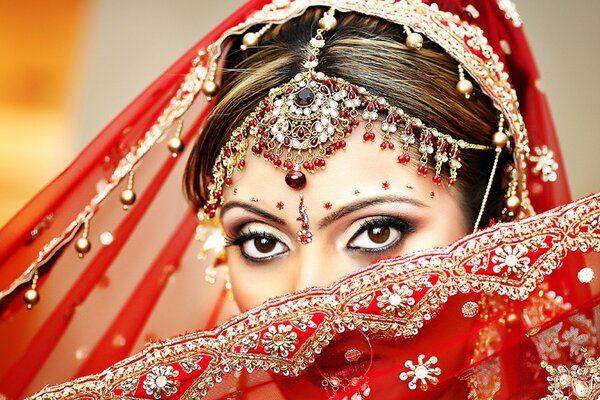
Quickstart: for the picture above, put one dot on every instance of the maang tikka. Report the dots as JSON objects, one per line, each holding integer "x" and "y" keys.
{"x": 307, "y": 120}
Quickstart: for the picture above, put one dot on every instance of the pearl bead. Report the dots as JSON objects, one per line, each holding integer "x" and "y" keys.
{"x": 175, "y": 146}
{"x": 250, "y": 39}
{"x": 414, "y": 41}
{"x": 31, "y": 298}
{"x": 500, "y": 139}
{"x": 83, "y": 246}
{"x": 210, "y": 88}
{"x": 513, "y": 203}
{"x": 328, "y": 23}
{"x": 128, "y": 197}
{"x": 465, "y": 87}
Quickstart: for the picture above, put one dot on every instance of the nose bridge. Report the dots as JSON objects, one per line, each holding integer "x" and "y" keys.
{"x": 317, "y": 267}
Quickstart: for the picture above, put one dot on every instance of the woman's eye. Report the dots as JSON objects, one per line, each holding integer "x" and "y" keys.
{"x": 377, "y": 235}
{"x": 264, "y": 247}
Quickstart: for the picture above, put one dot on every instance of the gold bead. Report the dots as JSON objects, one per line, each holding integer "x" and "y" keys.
{"x": 414, "y": 41}
{"x": 31, "y": 297}
{"x": 513, "y": 203}
{"x": 250, "y": 39}
{"x": 175, "y": 146}
{"x": 328, "y": 23}
{"x": 500, "y": 139}
{"x": 210, "y": 88}
{"x": 465, "y": 87}
{"x": 83, "y": 246}
{"x": 128, "y": 197}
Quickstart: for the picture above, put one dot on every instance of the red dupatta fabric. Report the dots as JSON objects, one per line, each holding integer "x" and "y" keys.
{"x": 100, "y": 309}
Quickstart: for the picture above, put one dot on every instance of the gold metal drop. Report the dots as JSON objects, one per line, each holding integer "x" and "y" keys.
{"x": 83, "y": 245}
{"x": 128, "y": 196}
{"x": 31, "y": 295}
{"x": 210, "y": 88}
{"x": 414, "y": 40}
{"x": 464, "y": 86}
{"x": 175, "y": 144}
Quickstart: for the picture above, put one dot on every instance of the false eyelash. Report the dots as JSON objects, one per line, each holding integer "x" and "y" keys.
{"x": 403, "y": 226}
{"x": 237, "y": 238}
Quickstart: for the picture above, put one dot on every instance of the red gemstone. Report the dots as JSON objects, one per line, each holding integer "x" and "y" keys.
{"x": 404, "y": 159}
{"x": 295, "y": 179}
{"x": 383, "y": 146}
{"x": 288, "y": 165}
{"x": 228, "y": 181}
{"x": 451, "y": 181}
{"x": 437, "y": 179}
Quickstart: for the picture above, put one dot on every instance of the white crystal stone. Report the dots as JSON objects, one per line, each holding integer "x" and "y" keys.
{"x": 585, "y": 275}
{"x": 395, "y": 299}
{"x": 106, "y": 238}
{"x": 421, "y": 372}
{"x": 511, "y": 260}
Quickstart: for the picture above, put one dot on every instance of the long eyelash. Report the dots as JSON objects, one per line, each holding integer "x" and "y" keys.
{"x": 238, "y": 238}
{"x": 403, "y": 226}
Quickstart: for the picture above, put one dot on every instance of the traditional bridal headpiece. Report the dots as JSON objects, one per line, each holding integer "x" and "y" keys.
{"x": 303, "y": 122}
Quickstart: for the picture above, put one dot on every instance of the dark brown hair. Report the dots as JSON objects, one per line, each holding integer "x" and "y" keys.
{"x": 368, "y": 52}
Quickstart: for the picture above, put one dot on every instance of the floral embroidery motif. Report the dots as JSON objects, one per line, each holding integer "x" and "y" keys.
{"x": 582, "y": 381}
{"x": 157, "y": 382}
{"x": 188, "y": 366}
{"x": 545, "y": 164}
{"x": 395, "y": 301}
{"x": 130, "y": 385}
{"x": 573, "y": 339}
{"x": 511, "y": 258}
{"x": 424, "y": 372}
{"x": 280, "y": 340}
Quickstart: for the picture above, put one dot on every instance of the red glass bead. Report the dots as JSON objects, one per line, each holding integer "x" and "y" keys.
{"x": 451, "y": 181}
{"x": 404, "y": 159}
{"x": 423, "y": 170}
{"x": 288, "y": 165}
{"x": 383, "y": 146}
{"x": 295, "y": 179}
{"x": 437, "y": 179}
{"x": 228, "y": 181}
{"x": 242, "y": 164}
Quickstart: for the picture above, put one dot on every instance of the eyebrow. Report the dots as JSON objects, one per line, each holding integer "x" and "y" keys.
{"x": 334, "y": 216}
{"x": 253, "y": 209}
{"x": 359, "y": 204}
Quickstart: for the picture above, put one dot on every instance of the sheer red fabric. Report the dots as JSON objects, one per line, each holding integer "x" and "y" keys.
{"x": 142, "y": 280}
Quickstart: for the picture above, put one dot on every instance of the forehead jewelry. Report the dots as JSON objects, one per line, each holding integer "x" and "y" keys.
{"x": 303, "y": 122}
{"x": 304, "y": 235}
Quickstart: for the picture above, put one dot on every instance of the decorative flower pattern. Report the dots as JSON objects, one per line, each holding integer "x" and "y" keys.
{"x": 158, "y": 382}
{"x": 396, "y": 301}
{"x": 579, "y": 380}
{"x": 545, "y": 164}
{"x": 423, "y": 372}
{"x": 574, "y": 340}
{"x": 512, "y": 258}
{"x": 280, "y": 340}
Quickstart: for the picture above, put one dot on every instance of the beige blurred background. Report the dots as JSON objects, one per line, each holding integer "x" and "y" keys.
{"x": 67, "y": 67}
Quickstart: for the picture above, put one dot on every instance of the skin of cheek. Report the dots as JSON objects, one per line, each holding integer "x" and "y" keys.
{"x": 362, "y": 167}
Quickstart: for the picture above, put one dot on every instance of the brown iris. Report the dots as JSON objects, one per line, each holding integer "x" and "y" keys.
{"x": 379, "y": 234}
{"x": 264, "y": 245}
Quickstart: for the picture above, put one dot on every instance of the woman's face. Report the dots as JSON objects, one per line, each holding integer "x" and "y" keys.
{"x": 363, "y": 207}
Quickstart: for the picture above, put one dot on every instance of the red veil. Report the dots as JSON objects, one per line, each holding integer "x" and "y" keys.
{"x": 142, "y": 280}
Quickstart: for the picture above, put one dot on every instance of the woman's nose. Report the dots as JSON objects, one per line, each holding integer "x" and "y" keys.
{"x": 318, "y": 267}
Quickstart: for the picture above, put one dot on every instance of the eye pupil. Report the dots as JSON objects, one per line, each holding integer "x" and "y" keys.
{"x": 379, "y": 234}
{"x": 264, "y": 245}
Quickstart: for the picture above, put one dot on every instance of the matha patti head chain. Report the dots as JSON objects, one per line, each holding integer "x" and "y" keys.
{"x": 303, "y": 122}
